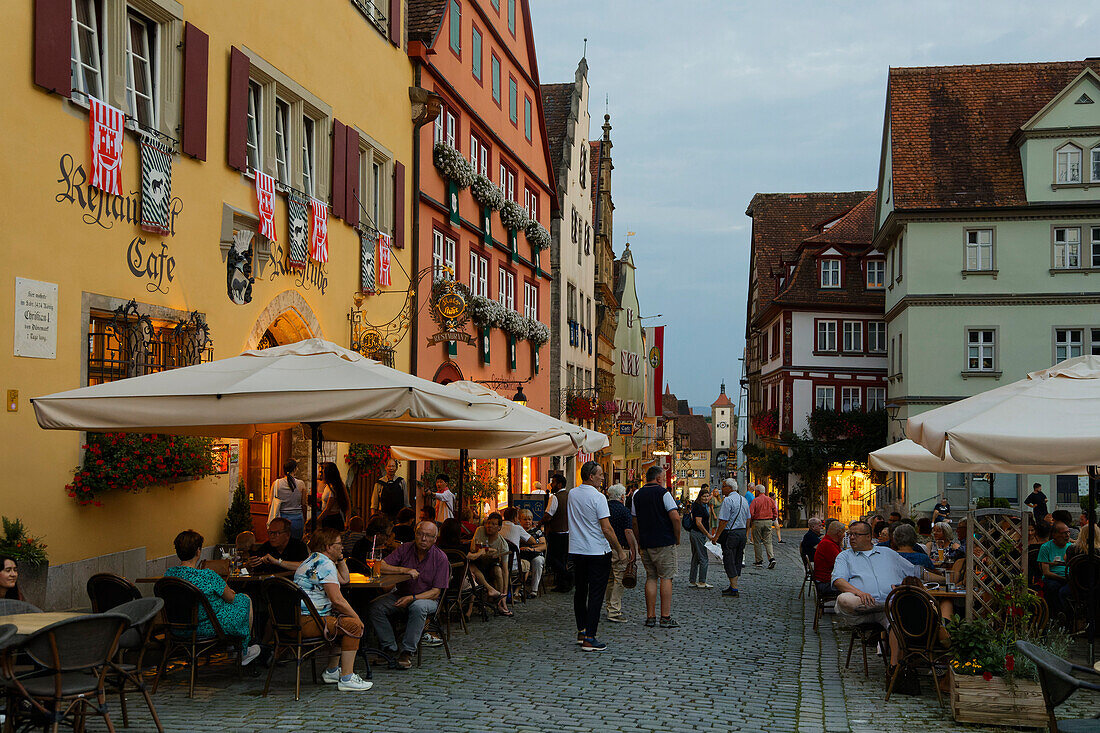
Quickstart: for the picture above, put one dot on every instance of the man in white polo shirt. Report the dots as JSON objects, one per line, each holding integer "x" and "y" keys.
{"x": 591, "y": 542}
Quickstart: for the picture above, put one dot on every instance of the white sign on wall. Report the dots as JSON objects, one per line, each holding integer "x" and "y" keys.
{"x": 35, "y": 319}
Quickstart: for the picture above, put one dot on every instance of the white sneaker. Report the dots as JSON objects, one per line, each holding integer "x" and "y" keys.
{"x": 430, "y": 640}
{"x": 250, "y": 655}
{"x": 331, "y": 678}
{"x": 354, "y": 684}
{"x": 703, "y": 585}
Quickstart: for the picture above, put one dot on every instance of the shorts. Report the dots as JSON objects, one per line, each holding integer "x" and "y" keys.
{"x": 659, "y": 562}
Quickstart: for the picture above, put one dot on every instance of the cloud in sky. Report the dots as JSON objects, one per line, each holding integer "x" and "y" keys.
{"x": 712, "y": 101}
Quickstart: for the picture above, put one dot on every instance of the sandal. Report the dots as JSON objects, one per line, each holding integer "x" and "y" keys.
{"x": 503, "y": 612}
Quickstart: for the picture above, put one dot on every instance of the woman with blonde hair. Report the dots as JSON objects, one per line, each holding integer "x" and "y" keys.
{"x": 1080, "y": 546}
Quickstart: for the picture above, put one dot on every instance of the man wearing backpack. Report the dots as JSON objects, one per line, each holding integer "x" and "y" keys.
{"x": 657, "y": 527}
{"x": 389, "y": 496}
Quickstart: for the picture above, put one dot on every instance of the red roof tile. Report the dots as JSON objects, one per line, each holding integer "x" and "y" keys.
{"x": 951, "y": 128}
{"x": 425, "y": 17}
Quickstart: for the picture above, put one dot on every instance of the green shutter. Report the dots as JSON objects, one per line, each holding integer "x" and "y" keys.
{"x": 452, "y": 203}
{"x": 487, "y": 225}
{"x": 512, "y": 352}
{"x": 483, "y": 341}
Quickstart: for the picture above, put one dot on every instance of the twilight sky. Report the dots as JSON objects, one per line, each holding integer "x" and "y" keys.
{"x": 712, "y": 101}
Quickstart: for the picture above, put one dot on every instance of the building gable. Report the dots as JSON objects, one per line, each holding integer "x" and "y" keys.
{"x": 1076, "y": 106}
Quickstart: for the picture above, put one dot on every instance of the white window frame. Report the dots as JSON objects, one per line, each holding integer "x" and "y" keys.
{"x": 1094, "y": 156}
{"x": 830, "y": 272}
{"x": 282, "y": 142}
{"x": 876, "y": 337}
{"x": 849, "y": 399}
{"x": 530, "y": 301}
{"x": 147, "y": 67}
{"x": 979, "y": 250}
{"x": 1066, "y": 346}
{"x": 309, "y": 148}
{"x": 1095, "y": 244}
{"x": 571, "y": 302}
{"x": 876, "y": 398}
{"x": 479, "y": 274}
{"x": 826, "y": 338}
{"x": 1066, "y": 249}
{"x": 825, "y": 397}
{"x": 376, "y": 183}
{"x": 79, "y": 66}
{"x": 852, "y": 337}
{"x": 443, "y": 254}
{"x": 506, "y": 290}
{"x": 452, "y": 125}
{"x": 876, "y": 273}
{"x": 981, "y": 344}
{"x": 1067, "y": 166}
{"x": 254, "y": 139}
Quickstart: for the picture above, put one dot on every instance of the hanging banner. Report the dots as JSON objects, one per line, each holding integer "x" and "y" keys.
{"x": 156, "y": 185}
{"x": 383, "y": 260}
{"x": 318, "y": 244}
{"x": 367, "y": 282}
{"x": 265, "y": 202}
{"x": 298, "y": 230}
{"x": 657, "y": 364}
{"x": 106, "y": 124}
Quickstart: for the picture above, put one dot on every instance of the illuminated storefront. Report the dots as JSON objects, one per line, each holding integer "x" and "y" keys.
{"x": 851, "y": 493}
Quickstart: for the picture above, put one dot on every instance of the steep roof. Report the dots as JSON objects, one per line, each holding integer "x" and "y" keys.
{"x": 424, "y": 19}
{"x": 698, "y": 431}
{"x": 781, "y": 222}
{"x": 951, "y": 130}
{"x": 723, "y": 399}
{"x": 557, "y": 104}
{"x": 593, "y": 165}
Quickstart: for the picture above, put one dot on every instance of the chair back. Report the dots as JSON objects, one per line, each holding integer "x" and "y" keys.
{"x": 913, "y": 616}
{"x": 284, "y": 601}
{"x": 75, "y": 644}
{"x": 1083, "y": 577}
{"x": 108, "y": 590}
{"x": 140, "y": 611}
{"x": 513, "y": 556}
{"x": 11, "y": 606}
{"x": 7, "y": 632}
{"x": 182, "y": 603}
{"x": 1055, "y": 676}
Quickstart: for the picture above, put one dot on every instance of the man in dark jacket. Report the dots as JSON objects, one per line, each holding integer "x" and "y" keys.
{"x": 556, "y": 522}
{"x": 657, "y": 528}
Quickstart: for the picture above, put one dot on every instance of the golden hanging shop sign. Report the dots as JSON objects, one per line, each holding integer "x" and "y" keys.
{"x": 450, "y": 310}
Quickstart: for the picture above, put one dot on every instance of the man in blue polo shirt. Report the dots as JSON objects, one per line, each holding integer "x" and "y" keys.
{"x": 657, "y": 527}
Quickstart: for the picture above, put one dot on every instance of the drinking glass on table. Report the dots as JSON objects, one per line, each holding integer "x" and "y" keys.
{"x": 949, "y": 579}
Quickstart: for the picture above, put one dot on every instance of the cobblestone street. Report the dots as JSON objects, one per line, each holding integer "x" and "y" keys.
{"x": 751, "y": 664}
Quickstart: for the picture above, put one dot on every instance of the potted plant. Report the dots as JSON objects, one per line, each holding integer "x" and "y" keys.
{"x": 29, "y": 553}
{"x": 486, "y": 193}
{"x": 452, "y": 165}
{"x": 537, "y": 235}
{"x": 512, "y": 216}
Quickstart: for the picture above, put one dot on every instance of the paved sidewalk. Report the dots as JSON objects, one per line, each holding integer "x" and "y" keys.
{"x": 752, "y": 664}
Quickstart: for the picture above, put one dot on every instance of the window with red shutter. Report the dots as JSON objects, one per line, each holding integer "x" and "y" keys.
{"x": 196, "y": 60}
{"x": 398, "y": 205}
{"x": 339, "y": 169}
{"x": 236, "y": 145}
{"x": 53, "y": 45}
{"x": 352, "y": 172}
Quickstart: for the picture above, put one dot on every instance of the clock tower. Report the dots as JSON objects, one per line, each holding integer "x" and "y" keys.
{"x": 723, "y": 450}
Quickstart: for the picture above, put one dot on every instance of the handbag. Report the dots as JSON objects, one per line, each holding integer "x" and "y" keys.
{"x": 273, "y": 508}
{"x": 630, "y": 576}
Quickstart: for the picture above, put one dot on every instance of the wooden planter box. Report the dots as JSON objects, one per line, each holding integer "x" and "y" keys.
{"x": 997, "y": 702}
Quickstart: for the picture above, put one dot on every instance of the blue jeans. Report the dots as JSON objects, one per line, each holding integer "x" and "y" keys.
{"x": 700, "y": 559}
{"x": 297, "y": 524}
{"x": 382, "y": 609}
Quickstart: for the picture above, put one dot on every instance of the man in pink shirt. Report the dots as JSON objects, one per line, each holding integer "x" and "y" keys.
{"x": 763, "y": 512}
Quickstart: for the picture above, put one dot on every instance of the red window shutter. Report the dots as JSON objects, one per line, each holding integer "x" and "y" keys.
{"x": 196, "y": 60}
{"x": 395, "y": 22}
{"x": 53, "y": 46}
{"x": 339, "y": 169}
{"x": 236, "y": 151}
{"x": 352, "y": 152}
{"x": 398, "y": 205}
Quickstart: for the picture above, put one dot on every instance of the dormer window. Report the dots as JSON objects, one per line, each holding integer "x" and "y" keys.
{"x": 830, "y": 273}
{"x": 876, "y": 274}
{"x": 1068, "y": 164}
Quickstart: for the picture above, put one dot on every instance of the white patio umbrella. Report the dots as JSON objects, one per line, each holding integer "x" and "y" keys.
{"x": 905, "y": 455}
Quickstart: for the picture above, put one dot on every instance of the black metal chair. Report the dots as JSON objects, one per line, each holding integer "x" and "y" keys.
{"x": 916, "y": 622}
{"x": 437, "y": 624}
{"x": 126, "y": 675}
{"x": 184, "y": 605}
{"x": 517, "y": 577}
{"x": 10, "y": 607}
{"x": 73, "y": 658}
{"x": 1058, "y": 683}
{"x": 808, "y": 575}
{"x": 108, "y": 590}
{"x": 7, "y": 632}
{"x": 285, "y": 600}
{"x": 1083, "y": 579}
{"x": 822, "y": 601}
{"x": 459, "y": 590}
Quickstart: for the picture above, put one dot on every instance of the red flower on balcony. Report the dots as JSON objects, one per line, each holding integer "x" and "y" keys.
{"x": 766, "y": 424}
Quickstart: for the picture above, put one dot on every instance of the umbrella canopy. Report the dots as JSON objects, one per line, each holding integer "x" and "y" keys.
{"x": 906, "y": 455}
{"x": 1051, "y": 418}
{"x": 523, "y": 432}
{"x": 264, "y": 391}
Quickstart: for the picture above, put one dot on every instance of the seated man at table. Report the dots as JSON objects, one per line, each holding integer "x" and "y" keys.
{"x": 1052, "y": 559}
{"x": 487, "y": 551}
{"x": 417, "y": 597}
{"x": 825, "y": 556}
{"x": 810, "y": 540}
{"x": 281, "y": 551}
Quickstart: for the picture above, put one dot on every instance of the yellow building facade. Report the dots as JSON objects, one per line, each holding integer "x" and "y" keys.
{"x": 316, "y": 95}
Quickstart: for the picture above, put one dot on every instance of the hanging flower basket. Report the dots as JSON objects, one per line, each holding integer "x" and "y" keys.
{"x": 367, "y": 457}
{"x": 512, "y": 216}
{"x": 580, "y": 408}
{"x": 538, "y": 333}
{"x": 514, "y": 324}
{"x": 766, "y": 424}
{"x": 537, "y": 235}
{"x": 485, "y": 312}
{"x": 486, "y": 193}
{"x": 452, "y": 165}
{"x": 135, "y": 462}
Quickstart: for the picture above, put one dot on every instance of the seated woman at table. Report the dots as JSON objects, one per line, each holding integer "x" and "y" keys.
{"x": 233, "y": 610}
{"x": 9, "y": 578}
{"x": 904, "y": 541}
{"x": 487, "y": 550}
{"x": 945, "y": 547}
{"x": 320, "y": 576}
{"x": 882, "y": 534}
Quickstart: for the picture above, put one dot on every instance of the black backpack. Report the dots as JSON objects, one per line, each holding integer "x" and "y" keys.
{"x": 688, "y": 520}
{"x": 392, "y": 498}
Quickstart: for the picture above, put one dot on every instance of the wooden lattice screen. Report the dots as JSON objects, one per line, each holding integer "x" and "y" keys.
{"x": 996, "y": 552}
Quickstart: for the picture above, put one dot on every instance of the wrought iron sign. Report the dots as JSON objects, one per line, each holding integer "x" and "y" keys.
{"x": 449, "y": 307}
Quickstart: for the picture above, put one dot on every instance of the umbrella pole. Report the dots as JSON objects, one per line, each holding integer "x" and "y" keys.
{"x": 461, "y": 479}
{"x": 1094, "y": 478}
{"x": 314, "y": 441}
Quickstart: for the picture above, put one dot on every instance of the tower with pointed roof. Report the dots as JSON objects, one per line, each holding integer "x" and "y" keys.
{"x": 723, "y": 448}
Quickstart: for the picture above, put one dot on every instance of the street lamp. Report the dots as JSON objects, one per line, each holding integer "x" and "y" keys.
{"x": 520, "y": 398}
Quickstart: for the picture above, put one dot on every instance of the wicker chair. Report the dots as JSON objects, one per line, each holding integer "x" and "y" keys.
{"x": 285, "y": 600}
{"x": 73, "y": 659}
{"x": 126, "y": 675}
{"x": 1056, "y": 678}
{"x": 182, "y": 605}
{"x": 916, "y": 622}
{"x": 10, "y": 607}
{"x": 7, "y": 633}
{"x": 108, "y": 590}
{"x": 461, "y": 593}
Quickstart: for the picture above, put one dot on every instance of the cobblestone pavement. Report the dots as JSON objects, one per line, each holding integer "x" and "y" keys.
{"x": 752, "y": 664}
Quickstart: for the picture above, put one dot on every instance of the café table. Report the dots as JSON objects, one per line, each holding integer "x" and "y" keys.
{"x": 28, "y": 623}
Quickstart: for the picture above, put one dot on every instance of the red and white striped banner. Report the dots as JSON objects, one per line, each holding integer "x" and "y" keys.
{"x": 105, "y": 124}
{"x": 383, "y": 260}
{"x": 265, "y": 201}
{"x": 583, "y": 458}
{"x": 318, "y": 243}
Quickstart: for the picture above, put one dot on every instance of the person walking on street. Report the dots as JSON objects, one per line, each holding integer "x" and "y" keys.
{"x": 777, "y": 525}
{"x": 763, "y": 511}
{"x": 592, "y": 544}
{"x": 657, "y": 527}
{"x": 733, "y": 517}
{"x": 556, "y": 521}
{"x": 621, "y": 522}
{"x": 750, "y": 494}
{"x": 699, "y": 534}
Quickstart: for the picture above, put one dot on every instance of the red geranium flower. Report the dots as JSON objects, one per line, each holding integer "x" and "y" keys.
{"x": 987, "y": 676}
{"x": 1010, "y": 662}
